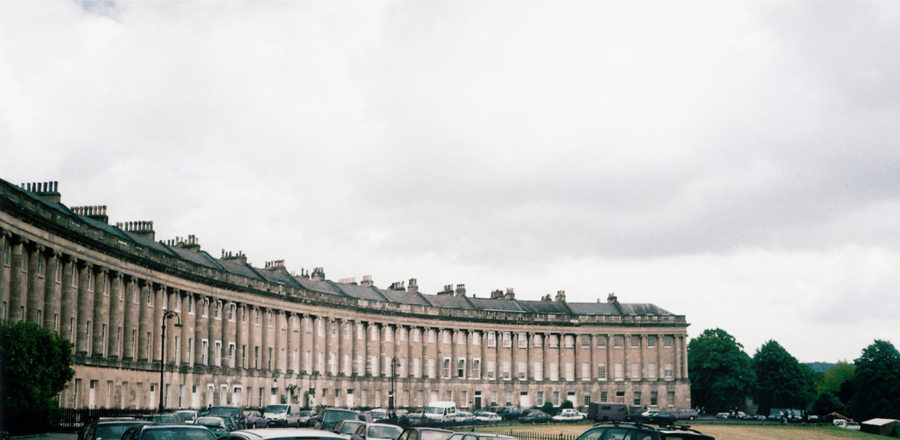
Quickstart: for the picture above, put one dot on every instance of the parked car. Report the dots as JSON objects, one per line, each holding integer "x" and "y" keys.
{"x": 846, "y": 424}
{"x": 464, "y": 417}
{"x": 218, "y": 425}
{"x": 282, "y": 434}
{"x": 377, "y": 431}
{"x": 306, "y": 418}
{"x": 255, "y": 420}
{"x": 189, "y": 415}
{"x": 168, "y": 419}
{"x": 332, "y": 416}
{"x": 568, "y": 415}
{"x": 108, "y": 428}
{"x": 487, "y": 417}
{"x": 623, "y": 430}
{"x": 346, "y": 428}
{"x": 686, "y": 414}
{"x": 168, "y": 432}
{"x": 229, "y": 411}
{"x": 422, "y": 433}
{"x": 653, "y": 417}
{"x": 511, "y": 412}
{"x": 413, "y": 419}
{"x": 283, "y": 415}
{"x": 478, "y": 436}
{"x": 534, "y": 416}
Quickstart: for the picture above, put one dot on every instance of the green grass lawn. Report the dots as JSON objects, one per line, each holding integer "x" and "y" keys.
{"x": 720, "y": 432}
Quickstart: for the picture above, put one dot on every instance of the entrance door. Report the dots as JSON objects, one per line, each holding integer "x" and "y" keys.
{"x": 524, "y": 400}
{"x": 236, "y": 397}
{"x": 478, "y": 400}
{"x": 350, "y": 399}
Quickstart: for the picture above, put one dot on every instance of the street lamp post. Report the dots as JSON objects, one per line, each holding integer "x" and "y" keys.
{"x": 162, "y": 357}
{"x": 393, "y": 374}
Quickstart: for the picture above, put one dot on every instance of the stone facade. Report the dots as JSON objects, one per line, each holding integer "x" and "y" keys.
{"x": 254, "y": 336}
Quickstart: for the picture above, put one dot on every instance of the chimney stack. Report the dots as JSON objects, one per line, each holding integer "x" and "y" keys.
{"x": 141, "y": 229}
{"x": 448, "y": 290}
{"x": 367, "y": 281}
{"x": 45, "y": 190}
{"x": 497, "y": 294}
{"x": 612, "y": 298}
{"x": 276, "y": 265}
{"x": 461, "y": 290}
{"x": 398, "y": 285}
{"x": 318, "y": 274}
{"x": 413, "y": 285}
{"x": 96, "y": 213}
{"x": 510, "y": 295}
{"x": 561, "y": 295}
{"x": 238, "y": 257}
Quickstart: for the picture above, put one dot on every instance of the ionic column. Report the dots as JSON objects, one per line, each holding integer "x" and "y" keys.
{"x": 116, "y": 318}
{"x": 68, "y": 309}
{"x": 5, "y": 244}
{"x": 159, "y": 292}
{"x": 265, "y": 338}
{"x": 131, "y": 317}
{"x": 214, "y": 331}
{"x": 34, "y": 292}
{"x": 100, "y": 312}
{"x": 52, "y": 292}
{"x": 85, "y": 308}
{"x": 145, "y": 310}
{"x": 18, "y": 265}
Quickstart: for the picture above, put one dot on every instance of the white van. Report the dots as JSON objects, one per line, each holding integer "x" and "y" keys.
{"x": 283, "y": 415}
{"x": 441, "y": 411}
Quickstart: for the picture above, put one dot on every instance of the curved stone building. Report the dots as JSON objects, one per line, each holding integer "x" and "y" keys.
{"x": 252, "y": 336}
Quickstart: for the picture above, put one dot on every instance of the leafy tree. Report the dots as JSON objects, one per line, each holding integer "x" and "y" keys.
{"x": 782, "y": 382}
{"x": 835, "y": 376}
{"x": 721, "y": 374}
{"x": 827, "y": 403}
{"x": 35, "y": 366}
{"x": 877, "y": 383}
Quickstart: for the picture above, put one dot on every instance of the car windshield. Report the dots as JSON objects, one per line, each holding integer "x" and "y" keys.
{"x": 391, "y": 432}
{"x": 275, "y": 409}
{"x": 348, "y": 427}
{"x": 434, "y": 410}
{"x": 429, "y": 434}
{"x": 110, "y": 432}
{"x": 178, "y": 434}
{"x": 223, "y": 411}
{"x": 214, "y": 422}
{"x": 334, "y": 416}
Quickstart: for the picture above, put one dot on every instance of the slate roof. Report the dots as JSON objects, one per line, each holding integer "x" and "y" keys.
{"x": 353, "y": 290}
{"x": 499, "y": 305}
{"x": 449, "y": 301}
{"x": 403, "y": 297}
{"x": 361, "y": 292}
{"x": 545, "y": 307}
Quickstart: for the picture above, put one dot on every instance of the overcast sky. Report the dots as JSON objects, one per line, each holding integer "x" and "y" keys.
{"x": 736, "y": 163}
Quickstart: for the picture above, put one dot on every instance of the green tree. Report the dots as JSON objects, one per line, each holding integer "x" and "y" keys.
{"x": 827, "y": 403}
{"x": 835, "y": 376}
{"x": 35, "y": 366}
{"x": 877, "y": 383}
{"x": 721, "y": 374}
{"x": 782, "y": 382}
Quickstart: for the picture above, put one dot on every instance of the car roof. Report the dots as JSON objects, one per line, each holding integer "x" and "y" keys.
{"x": 292, "y": 433}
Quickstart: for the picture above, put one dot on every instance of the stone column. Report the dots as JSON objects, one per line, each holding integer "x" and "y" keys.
{"x": 100, "y": 312}
{"x": 610, "y": 358}
{"x": 18, "y": 265}
{"x": 85, "y": 309}
{"x": 52, "y": 292}
{"x": 158, "y": 292}
{"x": 266, "y": 338}
{"x": 131, "y": 317}
{"x": 5, "y": 254}
{"x": 116, "y": 318}
{"x": 214, "y": 326}
{"x": 34, "y": 291}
